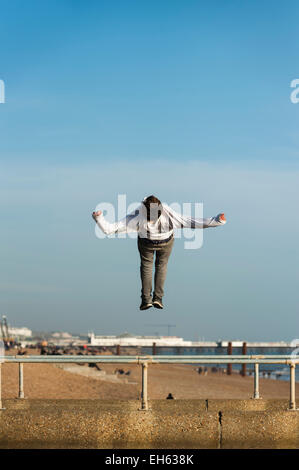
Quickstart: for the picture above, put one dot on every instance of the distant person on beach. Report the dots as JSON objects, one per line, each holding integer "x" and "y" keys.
{"x": 154, "y": 222}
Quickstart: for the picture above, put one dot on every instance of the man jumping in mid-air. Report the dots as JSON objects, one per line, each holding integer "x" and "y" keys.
{"x": 154, "y": 222}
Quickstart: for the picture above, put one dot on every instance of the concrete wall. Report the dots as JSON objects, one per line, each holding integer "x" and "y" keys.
{"x": 168, "y": 424}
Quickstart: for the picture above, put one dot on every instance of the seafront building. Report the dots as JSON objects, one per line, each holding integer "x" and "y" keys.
{"x": 20, "y": 332}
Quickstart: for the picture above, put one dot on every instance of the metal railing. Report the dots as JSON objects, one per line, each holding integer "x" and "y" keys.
{"x": 144, "y": 361}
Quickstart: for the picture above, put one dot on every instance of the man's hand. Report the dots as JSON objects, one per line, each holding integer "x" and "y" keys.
{"x": 221, "y": 218}
{"x": 96, "y": 214}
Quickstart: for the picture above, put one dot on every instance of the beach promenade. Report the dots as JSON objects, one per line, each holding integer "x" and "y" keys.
{"x": 77, "y": 406}
{"x": 169, "y": 424}
{"x": 51, "y": 381}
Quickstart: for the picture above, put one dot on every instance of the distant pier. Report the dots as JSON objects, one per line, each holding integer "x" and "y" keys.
{"x": 175, "y": 342}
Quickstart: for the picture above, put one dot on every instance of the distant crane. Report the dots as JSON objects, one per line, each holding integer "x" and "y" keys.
{"x": 4, "y": 330}
{"x": 167, "y": 325}
{"x": 4, "y": 327}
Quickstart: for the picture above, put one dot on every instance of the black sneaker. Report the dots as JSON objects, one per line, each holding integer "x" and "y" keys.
{"x": 157, "y": 303}
{"x": 145, "y": 305}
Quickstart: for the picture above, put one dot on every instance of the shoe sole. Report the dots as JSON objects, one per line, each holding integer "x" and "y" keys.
{"x": 146, "y": 307}
{"x": 157, "y": 305}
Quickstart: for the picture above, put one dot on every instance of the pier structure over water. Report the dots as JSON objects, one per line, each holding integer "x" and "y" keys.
{"x": 128, "y": 340}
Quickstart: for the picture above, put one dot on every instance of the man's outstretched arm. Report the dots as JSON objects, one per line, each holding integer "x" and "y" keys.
{"x": 127, "y": 224}
{"x": 180, "y": 221}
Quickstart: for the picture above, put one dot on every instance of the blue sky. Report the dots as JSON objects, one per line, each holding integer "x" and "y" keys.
{"x": 189, "y": 100}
